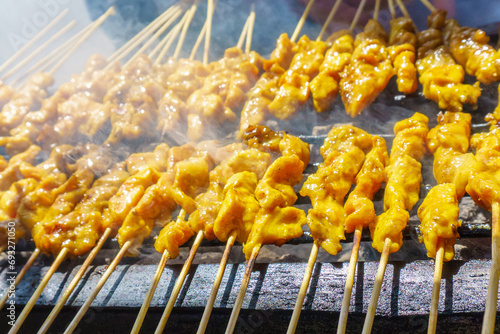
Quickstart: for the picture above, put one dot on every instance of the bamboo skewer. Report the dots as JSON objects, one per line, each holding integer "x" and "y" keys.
{"x": 167, "y": 41}
{"x": 248, "y": 44}
{"x": 491, "y": 299}
{"x": 60, "y": 303}
{"x": 198, "y": 41}
{"x": 210, "y": 14}
{"x": 215, "y": 287}
{"x": 33, "y": 40}
{"x": 357, "y": 15}
{"x": 151, "y": 291}
{"x": 154, "y": 284}
{"x": 241, "y": 294}
{"x": 98, "y": 287}
{"x": 302, "y": 20}
{"x": 98, "y": 22}
{"x": 175, "y": 32}
{"x": 402, "y": 6}
{"x": 26, "y": 310}
{"x": 38, "y": 50}
{"x": 328, "y": 20}
{"x": 155, "y": 36}
{"x": 392, "y": 10}
{"x": 125, "y": 49}
{"x": 54, "y": 55}
{"x": 303, "y": 289}
{"x": 438, "y": 272}
{"x": 21, "y": 274}
{"x": 379, "y": 279}
{"x": 429, "y": 6}
{"x": 351, "y": 271}
{"x": 376, "y": 10}
{"x": 185, "y": 28}
{"x": 243, "y": 34}
{"x": 179, "y": 282}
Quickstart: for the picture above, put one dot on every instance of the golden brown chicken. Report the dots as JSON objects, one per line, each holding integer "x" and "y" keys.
{"x": 325, "y": 86}
{"x": 369, "y": 70}
{"x": 343, "y": 154}
{"x": 403, "y": 182}
{"x": 359, "y": 208}
{"x": 403, "y": 42}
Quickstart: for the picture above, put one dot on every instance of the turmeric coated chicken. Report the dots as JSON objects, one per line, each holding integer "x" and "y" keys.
{"x": 256, "y": 108}
{"x": 325, "y": 86}
{"x": 403, "y": 42}
{"x": 441, "y": 77}
{"x": 343, "y": 152}
{"x": 293, "y": 85}
{"x": 369, "y": 70}
{"x": 403, "y": 182}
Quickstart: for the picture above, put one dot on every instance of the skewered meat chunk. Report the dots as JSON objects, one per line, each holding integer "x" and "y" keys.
{"x": 80, "y": 229}
{"x": 343, "y": 153}
{"x": 325, "y": 86}
{"x": 494, "y": 118}
{"x": 403, "y": 182}
{"x": 209, "y": 203}
{"x": 28, "y": 98}
{"x": 6, "y": 93}
{"x": 402, "y": 53}
{"x": 369, "y": 70}
{"x": 439, "y": 220}
{"x": 359, "y": 207}
{"x": 239, "y": 208}
{"x": 256, "y": 108}
{"x": 173, "y": 235}
{"x": 294, "y": 84}
{"x": 441, "y": 77}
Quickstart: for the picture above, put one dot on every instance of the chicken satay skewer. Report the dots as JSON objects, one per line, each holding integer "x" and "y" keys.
{"x": 401, "y": 193}
{"x": 38, "y": 50}
{"x": 247, "y": 30}
{"x": 42, "y": 32}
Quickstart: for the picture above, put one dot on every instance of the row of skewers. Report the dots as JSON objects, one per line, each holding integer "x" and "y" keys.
{"x": 179, "y": 175}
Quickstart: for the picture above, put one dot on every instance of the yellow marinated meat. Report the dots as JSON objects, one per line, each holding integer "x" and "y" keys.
{"x": 156, "y": 159}
{"x": 209, "y": 203}
{"x": 17, "y": 167}
{"x": 129, "y": 194}
{"x": 487, "y": 147}
{"x": 191, "y": 179}
{"x": 441, "y": 77}
{"x": 359, "y": 208}
{"x": 27, "y": 99}
{"x": 449, "y": 142}
{"x": 368, "y": 71}
{"x": 402, "y": 43}
{"x": 75, "y": 188}
{"x": 80, "y": 229}
{"x": 173, "y": 235}
{"x": 156, "y": 203}
{"x": 343, "y": 152}
{"x": 439, "y": 220}
{"x": 238, "y": 209}
{"x": 256, "y": 108}
{"x": 276, "y": 187}
{"x": 404, "y": 178}
{"x": 291, "y": 145}
{"x": 294, "y": 84}
{"x": 263, "y": 138}
{"x": 325, "y": 86}
{"x": 484, "y": 188}
{"x": 493, "y": 118}
{"x": 223, "y": 92}
{"x": 275, "y": 226}
{"x": 11, "y": 199}
{"x": 470, "y": 48}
